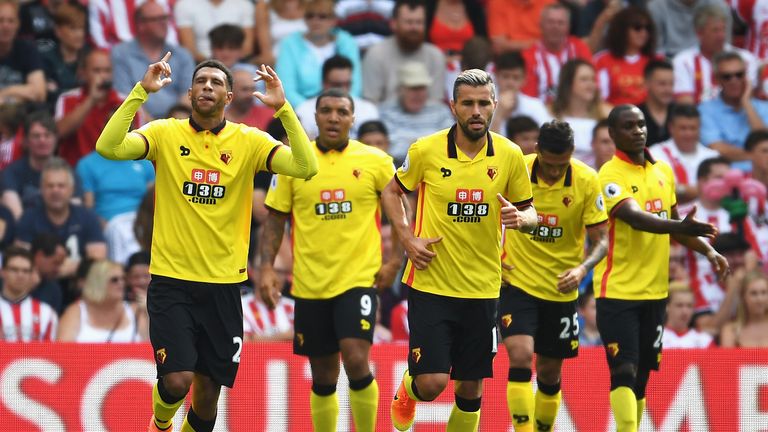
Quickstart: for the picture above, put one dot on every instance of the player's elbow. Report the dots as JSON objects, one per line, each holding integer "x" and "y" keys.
{"x": 104, "y": 149}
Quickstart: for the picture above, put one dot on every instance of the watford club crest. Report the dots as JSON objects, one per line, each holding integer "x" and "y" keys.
{"x": 356, "y": 172}
{"x": 160, "y": 355}
{"x": 567, "y": 200}
{"x": 300, "y": 338}
{"x": 506, "y": 320}
{"x": 613, "y": 349}
{"x": 416, "y": 354}
{"x": 493, "y": 172}
{"x": 226, "y": 156}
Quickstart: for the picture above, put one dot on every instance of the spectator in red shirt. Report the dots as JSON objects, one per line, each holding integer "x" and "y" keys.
{"x": 631, "y": 44}
{"x": 81, "y": 113}
{"x": 544, "y": 58}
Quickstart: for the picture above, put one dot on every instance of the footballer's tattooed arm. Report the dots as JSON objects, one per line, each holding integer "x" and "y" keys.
{"x": 269, "y": 245}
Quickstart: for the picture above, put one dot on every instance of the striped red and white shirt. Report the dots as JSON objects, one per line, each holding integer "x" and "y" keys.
{"x": 27, "y": 320}
{"x": 398, "y": 322}
{"x": 264, "y": 322}
{"x": 542, "y": 66}
{"x": 694, "y": 77}
{"x": 111, "y": 21}
{"x": 755, "y": 14}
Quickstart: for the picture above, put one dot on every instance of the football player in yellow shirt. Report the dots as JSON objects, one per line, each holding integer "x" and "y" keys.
{"x": 541, "y": 275}
{"x": 204, "y": 187}
{"x": 336, "y": 239}
{"x": 468, "y": 180}
{"x": 632, "y": 282}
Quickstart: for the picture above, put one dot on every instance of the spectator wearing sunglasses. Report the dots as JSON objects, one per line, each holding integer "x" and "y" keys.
{"x": 727, "y": 119}
{"x": 694, "y": 80}
{"x": 631, "y": 44}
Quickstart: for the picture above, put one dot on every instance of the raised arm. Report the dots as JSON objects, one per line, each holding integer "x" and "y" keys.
{"x": 299, "y": 160}
{"x": 115, "y": 142}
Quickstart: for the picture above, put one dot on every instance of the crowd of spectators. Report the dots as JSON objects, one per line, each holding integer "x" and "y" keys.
{"x": 76, "y": 228}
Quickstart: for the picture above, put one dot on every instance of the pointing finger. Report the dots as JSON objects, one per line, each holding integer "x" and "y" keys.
{"x": 166, "y": 57}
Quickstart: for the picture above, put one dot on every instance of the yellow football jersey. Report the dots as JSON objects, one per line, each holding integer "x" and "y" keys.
{"x": 457, "y": 201}
{"x": 203, "y": 197}
{"x": 565, "y": 209}
{"x": 335, "y": 219}
{"x": 637, "y": 264}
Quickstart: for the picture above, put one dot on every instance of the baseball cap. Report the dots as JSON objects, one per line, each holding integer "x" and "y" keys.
{"x": 413, "y": 74}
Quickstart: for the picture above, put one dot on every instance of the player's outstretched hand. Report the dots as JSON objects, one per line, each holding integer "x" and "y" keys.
{"x": 510, "y": 216}
{"x": 269, "y": 287}
{"x": 719, "y": 264}
{"x": 570, "y": 279}
{"x": 418, "y": 251}
{"x": 693, "y": 227}
{"x": 158, "y": 75}
{"x": 275, "y": 96}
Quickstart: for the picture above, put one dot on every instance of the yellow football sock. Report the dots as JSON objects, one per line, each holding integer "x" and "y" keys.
{"x": 407, "y": 383}
{"x": 546, "y": 410}
{"x": 325, "y": 412}
{"x": 185, "y": 427}
{"x": 162, "y": 410}
{"x": 624, "y": 407}
{"x": 520, "y": 404}
{"x": 640, "y": 410}
{"x": 365, "y": 404}
{"x": 462, "y": 421}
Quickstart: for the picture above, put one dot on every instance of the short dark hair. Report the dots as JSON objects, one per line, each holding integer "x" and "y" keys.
{"x": 509, "y": 60}
{"x": 216, "y": 65}
{"x": 473, "y": 78}
{"x": 655, "y": 65}
{"x": 520, "y": 124}
{"x": 616, "y": 112}
{"x": 705, "y": 167}
{"x": 179, "y": 107}
{"x": 556, "y": 137}
{"x": 724, "y": 57}
{"x": 47, "y": 243}
{"x": 602, "y": 123}
{"x": 683, "y": 110}
{"x": 43, "y": 119}
{"x": 335, "y": 92}
{"x": 372, "y": 126}
{"x": 335, "y": 62}
{"x": 410, "y": 4}
{"x": 476, "y": 53}
{"x": 754, "y": 138}
{"x": 14, "y": 252}
{"x": 138, "y": 258}
{"x": 226, "y": 36}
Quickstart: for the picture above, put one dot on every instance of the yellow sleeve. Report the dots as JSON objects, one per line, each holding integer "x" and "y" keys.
{"x": 384, "y": 173}
{"x": 299, "y": 159}
{"x": 670, "y": 183}
{"x": 613, "y": 187}
{"x": 594, "y": 208}
{"x": 280, "y": 194}
{"x": 115, "y": 142}
{"x": 519, "y": 191}
{"x": 411, "y": 172}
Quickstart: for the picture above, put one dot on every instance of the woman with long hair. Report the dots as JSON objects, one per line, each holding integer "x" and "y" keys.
{"x": 578, "y": 102}
{"x": 750, "y": 328}
{"x": 102, "y": 315}
{"x": 630, "y": 44}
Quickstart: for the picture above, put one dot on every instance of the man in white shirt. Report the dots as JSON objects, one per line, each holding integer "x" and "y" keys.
{"x": 337, "y": 73}
{"x": 683, "y": 152}
{"x": 694, "y": 77}
{"x": 509, "y": 74}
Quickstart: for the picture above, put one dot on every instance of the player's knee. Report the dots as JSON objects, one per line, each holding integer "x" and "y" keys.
{"x": 431, "y": 387}
{"x": 519, "y": 351}
{"x": 548, "y": 370}
{"x": 623, "y": 375}
{"x": 356, "y": 364}
{"x": 178, "y": 383}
